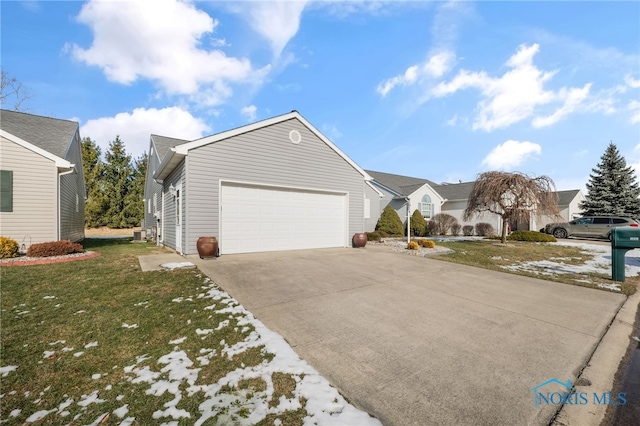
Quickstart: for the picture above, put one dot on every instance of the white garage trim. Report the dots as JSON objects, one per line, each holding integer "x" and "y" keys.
{"x": 256, "y": 217}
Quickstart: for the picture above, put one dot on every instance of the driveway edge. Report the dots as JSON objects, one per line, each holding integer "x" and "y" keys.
{"x": 601, "y": 368}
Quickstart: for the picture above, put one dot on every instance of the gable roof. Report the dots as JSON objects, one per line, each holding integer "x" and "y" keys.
{"x": 178, "y": 152}
{"x": 405, "y": 185}
{"x": 164, "y": 143}
{"x": 455, "y": 191}
{"x": 50, "y": 134}
{"x": 566, "y": 197}
{"x": 402, "y": 185}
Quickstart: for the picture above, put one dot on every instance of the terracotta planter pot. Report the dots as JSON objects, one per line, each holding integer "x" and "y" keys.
{"x": 359, "y": 240}
{"x": 208, "y": 247}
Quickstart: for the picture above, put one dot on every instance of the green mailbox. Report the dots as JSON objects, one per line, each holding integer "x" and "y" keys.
{"x": 623, "y": 239}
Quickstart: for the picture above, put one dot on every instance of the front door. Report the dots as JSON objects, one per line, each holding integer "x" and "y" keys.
{"x": 178, "y": 220}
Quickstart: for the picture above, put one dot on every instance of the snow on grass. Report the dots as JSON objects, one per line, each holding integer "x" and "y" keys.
{"x": 176, "y": 375}
{"x": 600, "y": 263}
{"x": 613, "y": 286}
{"x": 38, "y": 415}
{"x": 174, "y": 378}
{"x": 4, "y": 371}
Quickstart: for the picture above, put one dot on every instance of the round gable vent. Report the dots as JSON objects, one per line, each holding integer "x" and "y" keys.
{"x": 295, "y": 136}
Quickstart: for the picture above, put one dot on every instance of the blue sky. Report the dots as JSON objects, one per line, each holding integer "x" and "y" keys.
{"x": 438, "y": 90}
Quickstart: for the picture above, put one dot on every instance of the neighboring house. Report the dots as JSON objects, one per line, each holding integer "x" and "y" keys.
{"x": 159, "y": 146}
{"x": 277, "y": 184}
{"x": 452, "y": 198}
{"x": 42, "y": 180}
{"x": 568, "y": 206}
{"x": 400, "y": 191}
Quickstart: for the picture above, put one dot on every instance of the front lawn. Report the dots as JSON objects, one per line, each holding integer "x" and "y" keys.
{"x": 100, "y": 342}
{"x": 550, "y": 261}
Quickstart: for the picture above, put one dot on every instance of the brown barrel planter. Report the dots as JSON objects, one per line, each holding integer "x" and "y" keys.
{"x": 359, "y": 240}
{"x": 208, "y": 247}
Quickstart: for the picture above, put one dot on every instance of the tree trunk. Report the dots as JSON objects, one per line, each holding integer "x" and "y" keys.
{"x": 505, "y": 223}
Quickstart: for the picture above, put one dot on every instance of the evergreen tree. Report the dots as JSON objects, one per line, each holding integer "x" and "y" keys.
{"x": 418, "y": 224}
{"x": 93, "y": 167}
{"x": 390, "y": 222}
{"x": 118, "y": 176}
{"x": 612, "y": 189}
{"x": 134, "y": 200}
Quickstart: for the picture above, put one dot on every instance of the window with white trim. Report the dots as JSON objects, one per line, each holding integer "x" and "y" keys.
{"x": 426, "y": 207}
{"x": 367, "y": 208}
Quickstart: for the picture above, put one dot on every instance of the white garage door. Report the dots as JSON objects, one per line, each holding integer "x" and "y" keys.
{"x": 256, "y": 218}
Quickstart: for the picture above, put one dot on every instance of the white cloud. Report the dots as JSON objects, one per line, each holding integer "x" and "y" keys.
{"x": 276, "y": 21}
{"x": 436, "y": 66}
{"x": 513, "y": 96}
{"x": 135, "y": 128}
{"x": 634, "y": 107}
{"x": 636, "y": 164}
{"x": 510, "y": 154}
{"x": 573, "y": 98}
{"x": 632, "y": 82}
{"x": 161, "y": 41}
{"x": 331, "y": 131}
{"x": 249, "y": 112}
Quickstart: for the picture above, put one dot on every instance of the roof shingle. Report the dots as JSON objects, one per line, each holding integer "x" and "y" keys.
{"x": 51, "y": 134}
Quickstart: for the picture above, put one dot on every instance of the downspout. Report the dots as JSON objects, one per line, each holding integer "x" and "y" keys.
{"x": 58, "y": 225}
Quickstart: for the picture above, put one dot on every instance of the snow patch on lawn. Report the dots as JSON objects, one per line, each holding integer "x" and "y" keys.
{"x": 600, "y": 263}
{"x": 224, "y": 400}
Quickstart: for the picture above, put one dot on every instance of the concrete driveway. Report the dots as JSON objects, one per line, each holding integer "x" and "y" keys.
{"x": 417, "y": 341}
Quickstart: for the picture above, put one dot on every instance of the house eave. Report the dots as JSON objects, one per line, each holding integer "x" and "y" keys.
{"x": 168, "y": 164}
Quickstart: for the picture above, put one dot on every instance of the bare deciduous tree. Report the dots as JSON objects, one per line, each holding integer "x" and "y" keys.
{"x": 512, "y": 196}
{"x": 12, "y": 92}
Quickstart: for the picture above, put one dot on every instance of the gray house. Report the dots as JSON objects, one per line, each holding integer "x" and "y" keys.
{"x": 159, "y": 146}
{"x": 277, "y": 184}
{"x": 431, "y": 198}
{"x": 42, "y": 180}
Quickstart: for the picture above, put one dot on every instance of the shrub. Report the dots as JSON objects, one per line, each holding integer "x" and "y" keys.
{"x": 413, "y": 246}
{"x": 441, "y": 224}
{"x": 8, "y": 248}
{"x": 455, "y": 229}
{"x": 532, "y": 236}
{"x": 484, "y": 229}
{"x": 418, "y": 224}
{"x": 390, "y": 222}
{"x": 426, "y": 243}
{"x": 374, "y": 236}
{"x": 54, "y": 248}
{"x": 383, "y": 234}
{"x": 467, "y": 230}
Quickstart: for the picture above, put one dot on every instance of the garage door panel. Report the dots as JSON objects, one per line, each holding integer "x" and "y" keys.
{"x": 267, "y": 219}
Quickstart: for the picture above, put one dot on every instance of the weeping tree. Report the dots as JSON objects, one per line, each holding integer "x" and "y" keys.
{"x": 512, "y": 196}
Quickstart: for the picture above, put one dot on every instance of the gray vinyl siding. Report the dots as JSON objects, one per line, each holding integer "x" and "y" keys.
{"x": 151, "y": 188}
{"x": 72, "y": 196}
{"x": 266, "y": 156}
{"x": 175, "y": 178}
{"x": 34, "y": 218}
{"x": 374, "y": 211}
